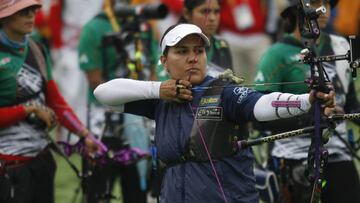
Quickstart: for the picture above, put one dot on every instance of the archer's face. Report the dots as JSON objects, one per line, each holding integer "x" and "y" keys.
{"x": 186, "y": 60}
{"x": 324, "y": 18}
{"x": 20, "y": 23}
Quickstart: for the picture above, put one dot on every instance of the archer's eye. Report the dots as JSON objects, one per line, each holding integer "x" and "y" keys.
{"x": 199, "y": 50}
{"x": 181, "y": 51}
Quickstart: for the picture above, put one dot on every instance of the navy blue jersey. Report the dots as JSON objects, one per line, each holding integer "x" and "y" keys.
{"x": 194, "y": 181}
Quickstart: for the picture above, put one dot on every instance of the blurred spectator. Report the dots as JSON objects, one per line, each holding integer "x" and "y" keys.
{"x": 206, "y": 15}
{"x": 175, "y": 10}
{"x": 246, "y": 25}
{"x": 153, "y": 22}
{"x": 49, "y": 23}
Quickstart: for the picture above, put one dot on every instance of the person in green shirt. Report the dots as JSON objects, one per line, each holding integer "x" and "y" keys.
{"x": 112, "y": 47}
{"x": 30, "y": 106}
{"x": 206, "y": 15}
{"x": 280, "y": 64}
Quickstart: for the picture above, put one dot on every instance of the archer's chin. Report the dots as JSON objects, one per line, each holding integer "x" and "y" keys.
{"x": 197, "y": 79}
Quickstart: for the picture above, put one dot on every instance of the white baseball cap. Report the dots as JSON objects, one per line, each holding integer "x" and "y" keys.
{"x": 179, "y": 32}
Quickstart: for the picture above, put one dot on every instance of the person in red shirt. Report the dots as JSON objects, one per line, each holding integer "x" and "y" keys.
{"x": 245, "y": 24}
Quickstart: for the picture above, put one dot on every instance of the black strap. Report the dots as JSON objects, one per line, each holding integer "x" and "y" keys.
{"x": 38, "y": 55}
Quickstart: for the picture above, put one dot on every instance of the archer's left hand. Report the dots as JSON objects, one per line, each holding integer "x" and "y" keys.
{"x": 327, "y": 99}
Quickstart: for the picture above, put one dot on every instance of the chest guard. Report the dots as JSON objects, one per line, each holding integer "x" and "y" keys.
{"x": 220, "y": 134}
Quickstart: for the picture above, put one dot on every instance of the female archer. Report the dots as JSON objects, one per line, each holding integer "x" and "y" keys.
{"x": 198, "y": 118}
{"x": 30, "y": 106}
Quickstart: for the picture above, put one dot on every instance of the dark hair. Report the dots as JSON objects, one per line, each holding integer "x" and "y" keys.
{"x": 190, "y": 5}
{"x": 290, "y": 19}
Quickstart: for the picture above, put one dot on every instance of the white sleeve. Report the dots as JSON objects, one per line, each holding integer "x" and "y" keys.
{"x": 266, "y": 109}
{"x": 120, "y": 91}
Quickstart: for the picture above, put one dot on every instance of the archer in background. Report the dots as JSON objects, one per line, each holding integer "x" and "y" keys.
{"x": 114, "y": 45}
{"x": 289, "y": 156}
{"x": 58, "y": 23}
{"x": 192, "y": 107}
{"x": 30, "y": 106}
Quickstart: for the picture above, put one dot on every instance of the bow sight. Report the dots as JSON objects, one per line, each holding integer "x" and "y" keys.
{"x": 352, "y": 56}
{"x": 310, "y": 31}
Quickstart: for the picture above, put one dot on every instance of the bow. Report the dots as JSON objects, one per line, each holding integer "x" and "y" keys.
{"x": 310, "y": 32}
{"x": 126, "y": 156}
{"x": 319, "y": 80}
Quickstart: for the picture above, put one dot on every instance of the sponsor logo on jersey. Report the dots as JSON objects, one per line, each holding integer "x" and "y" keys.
{"x": 209, "y": 113}
{"x": 210, "y": 100}
{"x": 242, "y": 92}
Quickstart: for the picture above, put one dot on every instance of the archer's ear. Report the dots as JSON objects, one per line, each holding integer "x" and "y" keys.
{"x": 163, "y": 60}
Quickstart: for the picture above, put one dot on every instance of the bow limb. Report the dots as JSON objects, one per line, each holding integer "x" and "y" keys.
{"x": 129, "y": 156}
{"x": 64, "y": 155}
{"x": 125, "y": 156}
{"x": 88, "y": 135}
{"x": 310, "y": 31}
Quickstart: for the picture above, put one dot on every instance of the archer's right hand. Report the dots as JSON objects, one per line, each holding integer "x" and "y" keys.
{"x": 43, "y": 113}
{"x": 176, "y": 90}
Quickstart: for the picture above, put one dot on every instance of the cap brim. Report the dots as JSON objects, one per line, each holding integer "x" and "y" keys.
{"x": 181, "y": 31}
{"x": 8, "y": 11}
{"x": 203, "y": 37}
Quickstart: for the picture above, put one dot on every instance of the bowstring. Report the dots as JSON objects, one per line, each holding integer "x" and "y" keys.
{"x": 200, "y": 130}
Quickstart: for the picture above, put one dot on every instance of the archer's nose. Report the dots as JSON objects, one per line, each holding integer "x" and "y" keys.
{"x": 193, "y": 58}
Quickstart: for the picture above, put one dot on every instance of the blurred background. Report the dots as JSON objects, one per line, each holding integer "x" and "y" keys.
{"x": 60, "y": 23}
